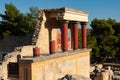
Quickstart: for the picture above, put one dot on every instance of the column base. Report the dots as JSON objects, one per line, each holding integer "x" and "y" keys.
{"x": 65, "y": 50}
{"x": 84, "y": 48}
{"x": 75, "y": 49}
{"x": 36, "y": 55}
{"x": 52, "y": 52}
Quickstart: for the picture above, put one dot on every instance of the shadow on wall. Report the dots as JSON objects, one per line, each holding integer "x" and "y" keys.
{"x": 8, "y": 44}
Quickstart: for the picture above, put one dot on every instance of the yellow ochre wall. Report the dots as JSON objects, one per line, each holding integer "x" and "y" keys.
{"x": 53, "y": 69}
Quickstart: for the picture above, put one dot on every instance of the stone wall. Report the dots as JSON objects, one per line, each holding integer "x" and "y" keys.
{"x": 9, "y": 43}
{"x": 11, "y": 57}
{"x": 58, "y": 65}
{"x": 44, "y": 35}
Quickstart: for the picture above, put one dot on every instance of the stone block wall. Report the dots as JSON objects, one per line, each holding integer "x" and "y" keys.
{"x": 57, "y": 68}
{"x": 44, "y": 38}
{"x": 58, "y": 65}
{"x": 27, "y": 51}
{"x": 11, "y": 57}
{"x": 8, "y": 44}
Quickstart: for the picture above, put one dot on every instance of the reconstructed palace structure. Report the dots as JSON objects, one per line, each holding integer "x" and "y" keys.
{"x": 48, "y": 58}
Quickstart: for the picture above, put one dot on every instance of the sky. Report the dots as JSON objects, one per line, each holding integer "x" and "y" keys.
{"x": 100, "y": 9}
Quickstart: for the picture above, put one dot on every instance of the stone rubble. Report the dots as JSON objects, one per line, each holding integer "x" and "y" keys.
{"x": 105, "y": 74}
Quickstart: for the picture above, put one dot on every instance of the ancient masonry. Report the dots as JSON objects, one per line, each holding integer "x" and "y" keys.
{"x": 105, "y": 71}
{"x": 41, "y": 59}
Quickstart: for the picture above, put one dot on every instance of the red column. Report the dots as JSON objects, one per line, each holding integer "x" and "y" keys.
{"x": 52, "y": 46}
{"x": 75, "y": 35}
{"x": 84, "y": 34}
{"x": 64, "y": 36}
{"x": 36, "y": 51}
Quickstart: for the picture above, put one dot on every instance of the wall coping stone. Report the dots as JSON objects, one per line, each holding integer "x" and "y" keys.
{"x": 44, "y": 57}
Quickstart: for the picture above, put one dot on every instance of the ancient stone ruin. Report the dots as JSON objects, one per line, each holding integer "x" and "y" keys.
{"x": 47, "y": 56}
{"x": 106, "y": 71}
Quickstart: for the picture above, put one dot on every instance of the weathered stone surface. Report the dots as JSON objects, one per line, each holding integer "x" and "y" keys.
{"x": 11, "y": 57}
{"x": 56, "y": 66}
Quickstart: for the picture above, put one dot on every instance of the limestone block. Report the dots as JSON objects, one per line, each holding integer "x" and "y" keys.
{"x": 27, "y": 50}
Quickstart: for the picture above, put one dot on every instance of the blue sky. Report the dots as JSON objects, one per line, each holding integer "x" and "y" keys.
{"x": 96, "y": 8}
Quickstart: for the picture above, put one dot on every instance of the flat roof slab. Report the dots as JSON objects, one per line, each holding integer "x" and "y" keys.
{"x": 66, "y": 14}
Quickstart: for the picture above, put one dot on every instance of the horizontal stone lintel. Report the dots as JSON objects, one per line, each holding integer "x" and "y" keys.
{"x": 67, "y": 14}
{"x": 74, "y": 17}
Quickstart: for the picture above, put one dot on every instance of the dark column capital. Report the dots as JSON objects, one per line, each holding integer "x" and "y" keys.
{"x": 74, "y": 22}
{"x": 64, "y": 21}
{"x": 83, "y": 23}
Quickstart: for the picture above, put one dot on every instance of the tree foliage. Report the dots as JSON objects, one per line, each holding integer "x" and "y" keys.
{"x": 16, "y": 23}
{"x": 104, "y": 39}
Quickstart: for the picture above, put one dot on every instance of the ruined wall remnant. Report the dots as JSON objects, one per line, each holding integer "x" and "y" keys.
{"x": 46, "y": 31}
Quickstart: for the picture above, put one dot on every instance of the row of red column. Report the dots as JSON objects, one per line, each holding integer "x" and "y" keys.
{"x": 64, "y": 36}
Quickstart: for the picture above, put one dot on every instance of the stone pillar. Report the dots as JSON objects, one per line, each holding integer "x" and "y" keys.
{"x": 64, "y": 35}
{"x": 52, "y": 46}
{"x": 84, "y": 34}
{"x": 36, "y": 51}
{"x": 75, "y": 35}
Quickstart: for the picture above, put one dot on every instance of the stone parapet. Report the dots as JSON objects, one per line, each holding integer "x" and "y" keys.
{"x": 44, "y": 57}
{"x": 53, "y": 67}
